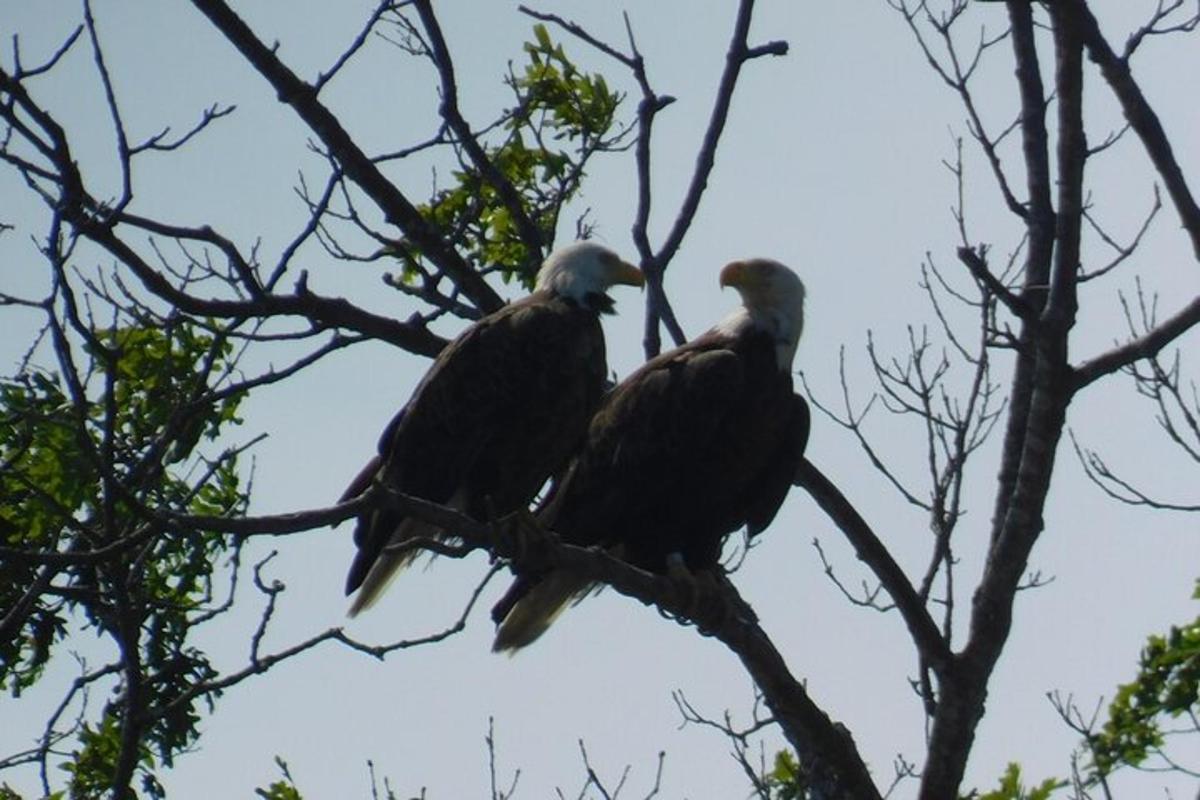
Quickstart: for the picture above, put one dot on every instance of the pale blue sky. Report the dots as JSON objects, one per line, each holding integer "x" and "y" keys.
{"x": 831, "y": 164}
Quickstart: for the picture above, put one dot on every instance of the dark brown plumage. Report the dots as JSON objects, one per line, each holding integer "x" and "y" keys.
{"x": 689, "y": 448}
{"x": 501, "y": 409}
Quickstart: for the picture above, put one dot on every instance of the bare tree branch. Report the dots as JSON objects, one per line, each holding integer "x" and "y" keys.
{"x": 872, "y": 552}
{"x": 356, "y": 164}
{"x": 530, "y": 235}
{"x": 1148, "y": 345}
{"x": 1142, "y": 118}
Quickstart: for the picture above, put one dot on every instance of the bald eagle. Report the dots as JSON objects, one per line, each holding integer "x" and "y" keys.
{"x": 501, "y": 409}
{"x": 693, "y": 445}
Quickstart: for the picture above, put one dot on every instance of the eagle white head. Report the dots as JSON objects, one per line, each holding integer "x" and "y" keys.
{"x": 585, "y": 268}
{"x": 772, "y": 300}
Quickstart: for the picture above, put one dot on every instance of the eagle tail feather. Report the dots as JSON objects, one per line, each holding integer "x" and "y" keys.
{"x": 532, "y": 614}
{"x": 390, "y": 564}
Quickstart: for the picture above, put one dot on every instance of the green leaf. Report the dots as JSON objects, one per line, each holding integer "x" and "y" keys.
{"x": 281, "y": 790}
{"x": 561, "y": 118}
{"x": 542, "y": 35}
{"x": 1011, "y": 788}
{"x": 1167, "y": 686}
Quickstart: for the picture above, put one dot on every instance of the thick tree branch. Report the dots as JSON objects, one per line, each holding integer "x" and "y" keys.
{"x": 1040, "y": 394}
{"x": 1040, "y": 227}
{"x": 874, "y": 554}
{"x": 824, "y": 744}
{"x": 1147, "y": 345}
{"x": 530, "y": 235}
{"x": 354, "y": 162}
{"x": 300, "y": 521}
{"x": 1142, "y": 118}
{"x": 328, "y": 311}
{"x": 825, "y": 747}
{"x": 976, "y": 263}
{"x": 738, "y": 54}
{"x": 1072, "y": 154}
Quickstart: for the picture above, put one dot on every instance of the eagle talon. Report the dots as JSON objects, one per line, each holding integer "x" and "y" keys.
{"x": 518, "y": 541}
{"x": 683, "y": 582}
{"x": 700, "y": 597}
{"x": 524, "y": 535}
{"x": 712, "y": 606}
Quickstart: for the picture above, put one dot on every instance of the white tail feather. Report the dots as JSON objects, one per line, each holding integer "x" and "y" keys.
{"x": 390, "y": 564}
{"x": 536, "y": 611}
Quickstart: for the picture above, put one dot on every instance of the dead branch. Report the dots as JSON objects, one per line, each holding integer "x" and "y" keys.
{"x": 357, "y": 166}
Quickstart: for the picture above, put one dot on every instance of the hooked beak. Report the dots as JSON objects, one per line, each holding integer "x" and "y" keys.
{"x": 734, "y": 274}
{"x": 628, "y": 274}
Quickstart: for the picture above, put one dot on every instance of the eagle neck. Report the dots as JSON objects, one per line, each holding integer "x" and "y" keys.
{"x": 781, "y": 330}
{"x": 596, "y": 302}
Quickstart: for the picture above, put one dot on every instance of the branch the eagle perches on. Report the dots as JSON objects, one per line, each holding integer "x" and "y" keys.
{"x": 716, "y": 608}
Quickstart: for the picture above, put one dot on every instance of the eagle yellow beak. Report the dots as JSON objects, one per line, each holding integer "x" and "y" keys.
{"x": 628, "y": 274}
{"x": 735, "y": 274}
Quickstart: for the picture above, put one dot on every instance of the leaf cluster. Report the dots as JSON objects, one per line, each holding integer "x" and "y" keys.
{"x": 1011, "y": 787}
{"x": 283, "y": 789}
{"x": 786, "y": 780}
{"x": 560, "y": 118}
{"x": 91, "y": 459}
{"x": 1167, "y": 686}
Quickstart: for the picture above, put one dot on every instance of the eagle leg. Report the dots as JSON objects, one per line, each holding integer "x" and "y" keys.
{"x": 524, "y": 533}
{"x": 688, "y": 587}
{"x": 703, "y": 595}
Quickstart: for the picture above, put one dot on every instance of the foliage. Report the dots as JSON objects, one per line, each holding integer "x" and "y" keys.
{"x": 45, "y": 475}
{"x": 91, "y": 465}
{"x": 1011, "y": 787}
{"x": 1167, "y": 686}
{"x": 92, "y": 765}
{"x": 560, "y": 118}
{"x": 284, "y": 789}
{"x": 786, "y": 780}
{"x": 105, "y": 452}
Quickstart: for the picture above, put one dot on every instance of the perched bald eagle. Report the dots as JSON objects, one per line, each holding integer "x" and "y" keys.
{"x": 695, "y": 444}
{"x": 501, "y": 409}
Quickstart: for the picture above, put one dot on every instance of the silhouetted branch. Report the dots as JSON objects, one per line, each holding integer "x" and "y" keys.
{"x": 439, "y": 52}
{"x": 740, "y": 739}
{"x": 976, "y": 262}
{"x": 579, "y": 32}
{"x": 957, "y": 76}
{"x": 497, "y": 792}
{"x": 738, "y": 53}
{"x": 658, "y": 306}
{"x": 354, "y": 162}
{"x": 261, "y": 664}
{"x": 875, "y": 555}
{"x": 1154, "y": 26}
{"x": 1117, "y": 488}
{"x": 853, "y": 423}
{"x": 367, "y": 29}
{"x": 1148, "y": 345}
{"x": 1141, "y": 117}
{"x": 1123, "y": 251}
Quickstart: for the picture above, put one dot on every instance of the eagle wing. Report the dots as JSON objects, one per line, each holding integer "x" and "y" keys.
{"x": 776, "y": 479}
{"x": 670, "y": 454}
{"x": 500, "y": 409}
{"x": 672, "y": 463}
